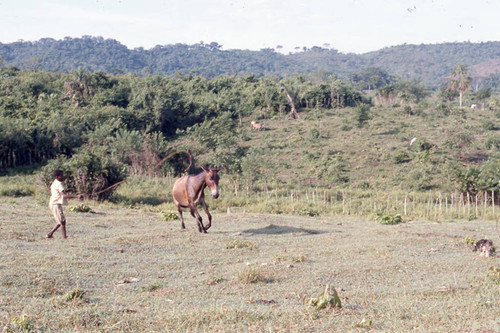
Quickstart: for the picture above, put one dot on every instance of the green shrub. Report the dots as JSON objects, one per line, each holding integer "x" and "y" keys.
{"x": 81, "y": 208}
{"x": 73, "y": 295}
{"x": 493, "y": 142}
{"x": 86, "y": 172}
{"x": 313, "y": 134}
{"x": 419, "y": 179}
{"x": 328, "y": 298}
{"x": 362, "y": 115}
{"x": 364, "y": 185}
{"x": 170, "y": 215}
{"x": 494, "y": 274}
{"x": 488, "y": 125}
{"x": 400, "y": 157}
{"x": 239, "y": 244}
{"x": 307, "y": 212}
{"x": 152, "y": 287}
{"x": 388, "y": 218}
{"x": 423, "y": 145}
{"x": 488, "y": 178}
{"x": 20, "y": 324}
{"x": 470, "y": 241}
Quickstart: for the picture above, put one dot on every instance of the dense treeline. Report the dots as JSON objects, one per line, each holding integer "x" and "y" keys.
{"x": 429, "y": 64}
{"x": 100, "y": 127}
{"x": 46, "y": 114}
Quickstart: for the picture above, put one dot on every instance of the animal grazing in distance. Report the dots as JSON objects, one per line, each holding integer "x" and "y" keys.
{"x": 256, "y": 125}
{"x": 188, "y": 192}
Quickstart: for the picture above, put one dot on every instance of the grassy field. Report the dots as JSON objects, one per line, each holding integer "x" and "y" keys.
{"x": 129, "y": 270}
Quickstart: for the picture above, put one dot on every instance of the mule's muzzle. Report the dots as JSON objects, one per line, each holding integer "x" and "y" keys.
{"x": 215, "y": 194}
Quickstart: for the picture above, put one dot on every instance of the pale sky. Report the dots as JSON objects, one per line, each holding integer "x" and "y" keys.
{"x": 356, "y": 26}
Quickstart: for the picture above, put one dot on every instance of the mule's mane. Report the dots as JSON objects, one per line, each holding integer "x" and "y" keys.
{"x": 200, "y": 176}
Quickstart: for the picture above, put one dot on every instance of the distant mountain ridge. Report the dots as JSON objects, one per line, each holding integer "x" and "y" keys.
{"x": 429, "y": 63}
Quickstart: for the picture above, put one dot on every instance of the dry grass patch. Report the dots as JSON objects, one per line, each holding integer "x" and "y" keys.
{"x": 418, "y": 276}
{"x": 254, "y": 274}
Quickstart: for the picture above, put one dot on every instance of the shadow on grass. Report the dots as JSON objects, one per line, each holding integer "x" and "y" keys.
{"x": 279, "y": 230}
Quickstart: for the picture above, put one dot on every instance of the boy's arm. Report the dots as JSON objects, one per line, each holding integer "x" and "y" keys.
{"x": 70, "y": 196}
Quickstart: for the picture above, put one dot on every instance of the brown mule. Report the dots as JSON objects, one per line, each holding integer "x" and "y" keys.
{"x": 188, "y": 192}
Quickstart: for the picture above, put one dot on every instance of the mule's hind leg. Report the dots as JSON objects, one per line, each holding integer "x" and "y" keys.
{"x": 182, "y": 219}
{"x": 178, "y": 206}
{"x": 198, "y": 218}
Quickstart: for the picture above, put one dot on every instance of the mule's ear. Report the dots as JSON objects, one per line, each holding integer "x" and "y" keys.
{"x": 204, "y": 169}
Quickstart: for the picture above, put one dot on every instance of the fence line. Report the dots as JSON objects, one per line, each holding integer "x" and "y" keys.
{"x": 431, "y": 205}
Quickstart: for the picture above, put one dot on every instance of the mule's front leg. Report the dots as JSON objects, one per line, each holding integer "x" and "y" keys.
{"x": 198, "y": 218}
{"x": 205, "y": 208}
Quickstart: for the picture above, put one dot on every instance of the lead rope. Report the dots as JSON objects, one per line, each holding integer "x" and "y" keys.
{"x": 172, "y": 154}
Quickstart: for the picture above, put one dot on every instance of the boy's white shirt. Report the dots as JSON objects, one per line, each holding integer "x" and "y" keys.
{"x": 56, "y": 194}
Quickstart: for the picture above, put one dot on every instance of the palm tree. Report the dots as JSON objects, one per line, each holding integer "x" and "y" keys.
{"x": 460, "y": 80}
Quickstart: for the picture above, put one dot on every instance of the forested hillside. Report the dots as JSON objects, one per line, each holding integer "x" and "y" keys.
{"x": 428, "y": 63}
{"x": 317, "y": 131}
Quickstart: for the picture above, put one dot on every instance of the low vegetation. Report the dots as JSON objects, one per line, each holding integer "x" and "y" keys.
{"x": 125, "y": 269}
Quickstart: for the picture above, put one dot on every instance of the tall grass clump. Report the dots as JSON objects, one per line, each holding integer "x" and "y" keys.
{"x": 20, "y": 324}
{"x": 252, "y": 274}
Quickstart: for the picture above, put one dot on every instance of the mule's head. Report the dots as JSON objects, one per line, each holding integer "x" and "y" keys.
{"x": 212, "y": 181}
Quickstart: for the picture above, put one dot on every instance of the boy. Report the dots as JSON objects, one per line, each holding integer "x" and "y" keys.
{"x": 58, "y": 198}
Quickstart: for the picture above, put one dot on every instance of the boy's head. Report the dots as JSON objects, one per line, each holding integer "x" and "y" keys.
{"x": 58, "y": 174}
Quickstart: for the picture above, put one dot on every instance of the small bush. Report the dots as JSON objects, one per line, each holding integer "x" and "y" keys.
{"x": 494, "y": 274}
{"x": 239, "y": 244}
{"x": 81, "y": 208}
{"x": 215, "y": 280}
{"x": 21, "y": 323}
{"x": 470, "y": 241}
{"x": 152, "y": 287}
{"x": 73, "y": 295}
{"x": 488, "y": 125}
{"x": 313, "y": 134}
{"x": 298, "y": 258}
{"x": 170, "y": 215}
{"x": 87, "y": 172}
{"x": 493, "y": 142}
{"x": 389, "y": 218}
{"x": 251, "y": 274}
{"x": 364, "y": 185}
{"x": 328, "y": 298}
{"x": 400, "y": 157}
{"x": 307, "y": 212}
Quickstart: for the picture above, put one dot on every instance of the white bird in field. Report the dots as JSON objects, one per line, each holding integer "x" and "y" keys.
{"x": 413, "y": 141}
